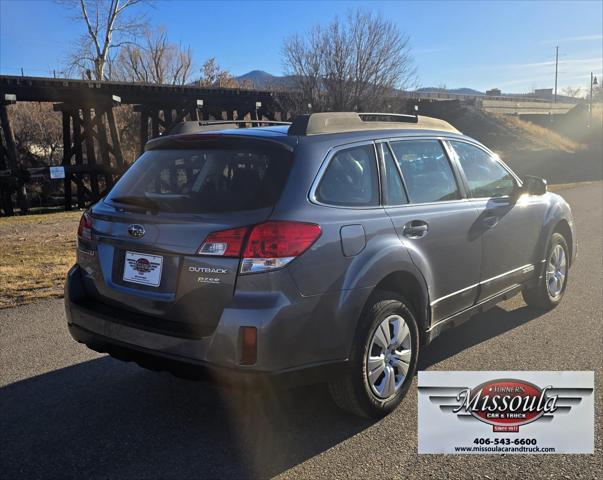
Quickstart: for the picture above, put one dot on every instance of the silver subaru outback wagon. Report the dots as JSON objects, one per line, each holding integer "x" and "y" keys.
{"x": 331, "y": 249}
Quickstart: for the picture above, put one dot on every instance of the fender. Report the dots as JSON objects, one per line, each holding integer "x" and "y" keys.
{"x": 557, "y": 211}
{"x": 385, "y": 256}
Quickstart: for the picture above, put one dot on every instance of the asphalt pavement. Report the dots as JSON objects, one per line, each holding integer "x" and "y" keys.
{"x": 67, "y": 412}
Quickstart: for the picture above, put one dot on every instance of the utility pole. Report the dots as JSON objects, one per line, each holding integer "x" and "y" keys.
{"x": 593, "y": 82}
{"x": 556, "y": 70}
{"x": 590, "y": 103}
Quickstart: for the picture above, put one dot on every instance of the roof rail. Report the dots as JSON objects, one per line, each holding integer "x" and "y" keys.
{"x": 336, "y": 122}
{"x": 388, "y": 117}
{"x": 214, "y": 125}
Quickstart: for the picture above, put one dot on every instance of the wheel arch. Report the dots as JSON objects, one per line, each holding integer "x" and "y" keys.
{"x": 562, "y": 227}
{"x": 413, "y": 288}
{"x": 557, "y": 225}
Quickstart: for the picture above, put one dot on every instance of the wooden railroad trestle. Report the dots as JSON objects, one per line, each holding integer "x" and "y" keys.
{"x": 92, "y": 152}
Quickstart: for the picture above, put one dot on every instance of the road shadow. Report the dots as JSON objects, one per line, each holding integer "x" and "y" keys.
{"x": 107, "y": 419}
{"x": 477, "y": 329}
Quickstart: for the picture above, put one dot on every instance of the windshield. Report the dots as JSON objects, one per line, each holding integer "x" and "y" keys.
{"x": 201, "y": 181}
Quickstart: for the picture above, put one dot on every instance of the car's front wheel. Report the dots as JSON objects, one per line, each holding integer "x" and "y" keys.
{"x": 549, "y": 290}
{"x": 383, "y": 361}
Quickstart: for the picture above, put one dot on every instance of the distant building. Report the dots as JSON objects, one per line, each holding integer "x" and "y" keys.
{"x": 494, "y": 92}
{"x": 546, "y": 93}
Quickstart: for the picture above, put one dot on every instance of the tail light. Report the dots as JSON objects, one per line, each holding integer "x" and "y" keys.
{"x": 268, "y": 245}
{"x": 84, "y": 229}
{"x": 274, "y": 244}
{"x": 225, "y": 243}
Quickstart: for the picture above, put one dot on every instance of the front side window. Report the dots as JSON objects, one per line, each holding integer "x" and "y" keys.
{"x": 426, "y": 170}
{"x": 350, "y": 179}
{"x": 485, "y": 176}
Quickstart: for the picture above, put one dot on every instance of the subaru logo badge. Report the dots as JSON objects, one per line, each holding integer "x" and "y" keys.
{"x": 136, "y": 231}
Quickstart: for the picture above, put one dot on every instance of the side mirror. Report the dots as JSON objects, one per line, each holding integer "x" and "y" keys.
{"x": 534, "y": 185}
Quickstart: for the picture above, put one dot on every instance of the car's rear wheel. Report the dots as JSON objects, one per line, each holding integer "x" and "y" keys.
{"x": 549, "y": 290}
{"x": 383, "y": 360}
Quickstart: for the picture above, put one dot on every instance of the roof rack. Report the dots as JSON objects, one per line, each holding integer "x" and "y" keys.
{"x": 336, "y": 122}
{"x": 388, "y": 117}
{"x": 214, "y": 125}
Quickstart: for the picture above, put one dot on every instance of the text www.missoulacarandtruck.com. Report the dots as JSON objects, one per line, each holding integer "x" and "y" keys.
{"x": 504, "y": 445}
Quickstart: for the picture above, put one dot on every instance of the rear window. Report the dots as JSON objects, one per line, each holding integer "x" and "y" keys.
{"x": 202, "y": 181}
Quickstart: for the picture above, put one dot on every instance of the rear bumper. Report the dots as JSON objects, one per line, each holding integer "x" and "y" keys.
{"x": 198, "y": 370}
{"x": 214, "y": 357}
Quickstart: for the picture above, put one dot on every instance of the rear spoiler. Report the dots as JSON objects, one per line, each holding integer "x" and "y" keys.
{"x": 215, "y": 125}
{"x": 215, "y": 139}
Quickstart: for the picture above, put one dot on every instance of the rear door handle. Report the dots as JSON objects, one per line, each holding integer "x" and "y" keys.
{"x": 415, "y": 229}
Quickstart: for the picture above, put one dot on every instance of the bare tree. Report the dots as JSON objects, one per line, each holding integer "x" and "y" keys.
{"x": 575, "y": 92}
{"x": 108, "y": 28}
{"x": 351, "y": 64}
{"x": 212, "y": 75}
{"x": 38, "y": 133}
{"x": 304, "y": 60}
{"x": 155, "y": 61}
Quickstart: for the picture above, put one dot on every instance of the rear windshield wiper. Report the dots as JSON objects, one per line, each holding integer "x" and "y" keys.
{"x": 137, "y": 201}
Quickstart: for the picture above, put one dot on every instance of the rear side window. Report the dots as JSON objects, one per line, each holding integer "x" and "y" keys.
{"x": 486, "y": 177}
{"x": 350, "y": 179}
{"x": 201, "y": 181}
{"x": 426, "y": 170}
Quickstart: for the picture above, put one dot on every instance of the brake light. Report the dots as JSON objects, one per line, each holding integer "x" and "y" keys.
{"x": 225, "y": 243}
{"x": 84, "y": 229}
{"x": 267, "y": 246}
{"x": 274, "y": 244}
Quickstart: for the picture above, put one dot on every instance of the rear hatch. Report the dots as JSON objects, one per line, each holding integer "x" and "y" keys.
{"x": 147, "y": 233}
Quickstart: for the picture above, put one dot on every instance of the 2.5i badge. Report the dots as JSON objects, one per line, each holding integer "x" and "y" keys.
{"x": 506, "y": 412}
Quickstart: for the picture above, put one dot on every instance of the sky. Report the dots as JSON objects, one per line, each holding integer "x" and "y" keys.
{"x": 509, "y": 45}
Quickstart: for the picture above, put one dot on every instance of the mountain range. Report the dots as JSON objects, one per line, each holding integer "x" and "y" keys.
{"x": 264, "y": 80}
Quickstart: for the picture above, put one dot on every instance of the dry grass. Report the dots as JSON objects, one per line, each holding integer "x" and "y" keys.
{"x": 35, "y": 253}
{"x": 539, "y": 137}
{"x": 508, "y": 134}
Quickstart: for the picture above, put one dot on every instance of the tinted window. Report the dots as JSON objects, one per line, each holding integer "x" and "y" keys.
{"x": 350, "y": 178}
{"x": 426, "y": 170}
{"x": 486, "y": 177}
{"x": 395, "y": 190}
{"x": 198, "y": 181}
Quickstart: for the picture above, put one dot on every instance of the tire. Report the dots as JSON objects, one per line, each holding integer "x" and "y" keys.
{"x": 547, "y": 293}
{"x": 352, "y": 390}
